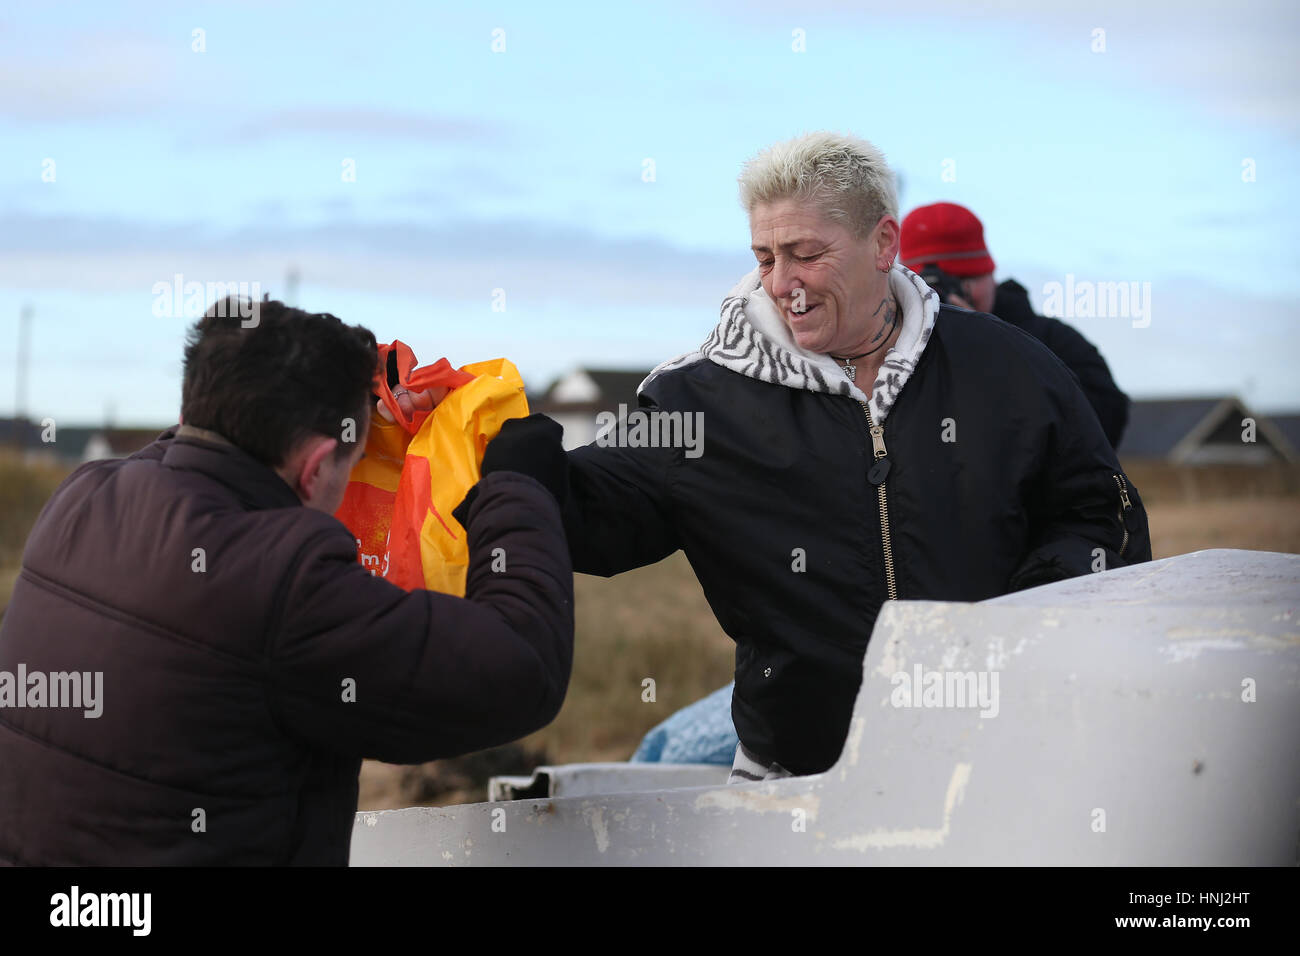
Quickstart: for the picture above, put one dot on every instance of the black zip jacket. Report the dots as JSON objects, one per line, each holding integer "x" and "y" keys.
{"x": 999, "y": 478}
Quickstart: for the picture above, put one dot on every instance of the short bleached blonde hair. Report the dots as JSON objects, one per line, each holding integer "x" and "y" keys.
{"x": 847, "y": 178}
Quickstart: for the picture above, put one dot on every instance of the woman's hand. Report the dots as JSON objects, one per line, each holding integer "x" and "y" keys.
{"x": 412, "y": 402}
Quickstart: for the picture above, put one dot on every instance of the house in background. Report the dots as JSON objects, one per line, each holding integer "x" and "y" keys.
{"x": 1289, "y": 426}
{"x": 1203, "y": 431}
{"x": 574, "y": 400}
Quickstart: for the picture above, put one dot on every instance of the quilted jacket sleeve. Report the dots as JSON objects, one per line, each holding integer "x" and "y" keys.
{"x": 618, "y": 514}
{"x": 361, "y": 667}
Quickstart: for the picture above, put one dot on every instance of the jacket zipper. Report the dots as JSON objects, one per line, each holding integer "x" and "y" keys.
{"x": 1124, "y": 505}
{"x": 879, "y": 453}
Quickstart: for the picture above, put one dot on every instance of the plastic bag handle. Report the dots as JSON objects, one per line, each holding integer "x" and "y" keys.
{"x": 413, "y": 379}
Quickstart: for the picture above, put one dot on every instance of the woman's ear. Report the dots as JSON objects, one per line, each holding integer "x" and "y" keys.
{"x": 889, "y": 238}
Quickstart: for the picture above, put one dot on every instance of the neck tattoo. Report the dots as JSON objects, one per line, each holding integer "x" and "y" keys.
{"x": 887, "y": 326}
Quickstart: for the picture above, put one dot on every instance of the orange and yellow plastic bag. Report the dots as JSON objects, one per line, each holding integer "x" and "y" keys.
{"x": 399, "y": 498}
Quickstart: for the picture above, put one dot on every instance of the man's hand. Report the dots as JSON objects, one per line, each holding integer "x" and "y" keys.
{"x": 412, "y": 402}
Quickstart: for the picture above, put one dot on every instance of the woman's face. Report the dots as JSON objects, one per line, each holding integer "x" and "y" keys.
{"x": 826, "y": 283}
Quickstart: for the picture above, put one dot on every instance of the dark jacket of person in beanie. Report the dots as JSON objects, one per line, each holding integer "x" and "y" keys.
{"x": 248, "y": 661}
{"x": 950, "y": 238}
{"x": 1079, "y": 355}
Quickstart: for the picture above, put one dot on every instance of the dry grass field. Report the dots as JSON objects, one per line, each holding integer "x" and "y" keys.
{"x": 652, "y": 622}
{"x": 655, "y": 623}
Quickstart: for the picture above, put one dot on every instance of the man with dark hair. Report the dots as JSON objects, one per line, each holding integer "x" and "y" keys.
{"x": 250, "y": 388}
{"x": 233, "y": 661}
{"x": 944, "y": 243}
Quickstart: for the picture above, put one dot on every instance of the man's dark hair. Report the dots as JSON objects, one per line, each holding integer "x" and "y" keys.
{"x": 289, "y": 375}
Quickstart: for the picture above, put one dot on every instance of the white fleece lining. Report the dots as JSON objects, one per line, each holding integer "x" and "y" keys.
{"x": 759, "y": 328}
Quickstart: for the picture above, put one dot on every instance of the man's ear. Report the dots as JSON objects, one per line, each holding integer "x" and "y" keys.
{"x": 314, "y": 453}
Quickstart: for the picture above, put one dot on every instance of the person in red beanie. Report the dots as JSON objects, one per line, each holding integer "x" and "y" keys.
{"x": 944, "y": 244}
{"x": 945, "y": 241}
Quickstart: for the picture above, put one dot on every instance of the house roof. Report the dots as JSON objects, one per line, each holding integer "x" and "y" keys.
{"x": 618, "y": 385}
{"x": 1186, "y": 429}
{"x": 613, "y": 387}
{"x": 22, "y": 432}
{"x": 1289, "y": 426}
{"x": 1156, "y": 426}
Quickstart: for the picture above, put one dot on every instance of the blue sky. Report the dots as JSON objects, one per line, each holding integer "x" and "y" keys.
{"x": 522, "y": 170}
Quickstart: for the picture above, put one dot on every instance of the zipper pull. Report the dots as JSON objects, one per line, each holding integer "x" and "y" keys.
{"x": 878, "y": 440}
{"x": 879, "y": 469}
{"x": 1123, "y": 493}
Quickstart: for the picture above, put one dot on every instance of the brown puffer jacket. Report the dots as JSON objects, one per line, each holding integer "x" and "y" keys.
{"x": 238, "y": 700}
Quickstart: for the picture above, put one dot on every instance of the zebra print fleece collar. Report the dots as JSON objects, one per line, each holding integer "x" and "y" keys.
{"x": 753, "y": 339}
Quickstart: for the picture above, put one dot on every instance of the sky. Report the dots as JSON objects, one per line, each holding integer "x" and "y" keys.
{"x": 556, "y": 183}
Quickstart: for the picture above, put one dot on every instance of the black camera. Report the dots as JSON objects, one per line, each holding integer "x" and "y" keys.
{"x": 946, "y": 285}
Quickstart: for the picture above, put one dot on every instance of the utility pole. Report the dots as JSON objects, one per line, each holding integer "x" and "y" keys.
{"x": 291, "y": 286}
{"x": 20, "y": 386}
{"x": 20, "y": 379}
